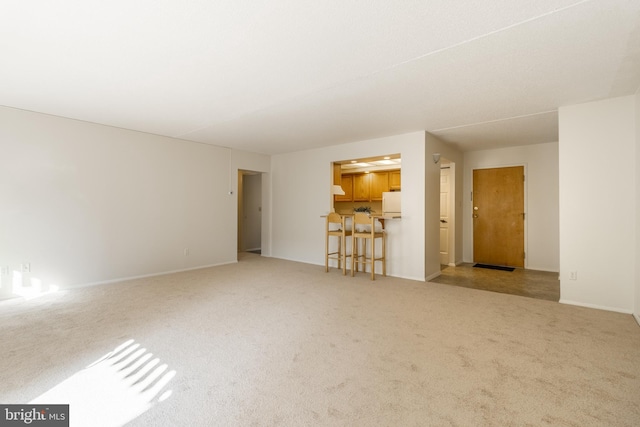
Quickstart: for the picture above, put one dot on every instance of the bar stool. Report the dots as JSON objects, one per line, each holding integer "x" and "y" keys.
{"x": 336, "y": 227}
{"x": 364, "y": 227}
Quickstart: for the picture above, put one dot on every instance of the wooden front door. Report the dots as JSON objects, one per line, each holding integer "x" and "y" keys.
{"x": 498, "y": 216}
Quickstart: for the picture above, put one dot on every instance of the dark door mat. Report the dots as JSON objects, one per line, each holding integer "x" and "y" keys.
{"x": 494, "y": 267}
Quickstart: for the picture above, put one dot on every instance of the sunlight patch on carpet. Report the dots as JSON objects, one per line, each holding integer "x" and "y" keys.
{"x": 115, "y": 389}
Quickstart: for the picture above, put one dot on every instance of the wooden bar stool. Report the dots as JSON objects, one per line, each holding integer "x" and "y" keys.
{"x": 364, "y": 227}
{"x": 336, "y": 227}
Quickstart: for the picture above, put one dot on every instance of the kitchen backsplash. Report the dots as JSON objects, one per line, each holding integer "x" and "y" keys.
{"x": 347, "y": 207}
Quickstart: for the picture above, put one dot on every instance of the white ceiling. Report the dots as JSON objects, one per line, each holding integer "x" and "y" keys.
{"x": 277, "y": 76}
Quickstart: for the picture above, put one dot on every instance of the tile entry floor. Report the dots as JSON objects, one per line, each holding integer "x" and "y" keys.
{"x": 528, "y": 283}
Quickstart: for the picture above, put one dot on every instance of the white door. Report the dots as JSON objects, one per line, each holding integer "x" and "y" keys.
{"x": 444, "y": 215}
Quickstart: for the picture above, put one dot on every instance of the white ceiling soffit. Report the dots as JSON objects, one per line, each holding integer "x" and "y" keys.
{"x": 283, "y": 76}
{"x": 524, "y": 130}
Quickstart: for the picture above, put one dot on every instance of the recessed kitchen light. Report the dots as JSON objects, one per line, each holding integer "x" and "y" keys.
{"x": 384, "y": 162}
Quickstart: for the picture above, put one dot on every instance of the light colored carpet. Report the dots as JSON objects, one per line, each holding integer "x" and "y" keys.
{"x": 271, "y": 342}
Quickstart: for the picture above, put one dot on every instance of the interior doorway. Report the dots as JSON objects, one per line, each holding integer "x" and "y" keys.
{"x": 498, "y": 216}
{"x": 447, "y": 212}
{"x": 249, "y": 211}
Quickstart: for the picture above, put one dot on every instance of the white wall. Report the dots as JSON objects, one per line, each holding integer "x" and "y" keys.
{"x": 301, "y": 194}
{"x": 85, "y": 203}
{"x": 598, "y": 162}
{"x": 541, "y": 204}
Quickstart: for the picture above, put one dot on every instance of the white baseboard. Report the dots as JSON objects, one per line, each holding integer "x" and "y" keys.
{"x": 418, "y": 279}
{"x": 599, "y": 307}
{"x": 542, "y": 269}
{"x": 142, "y": 276}
{"x": 432, "y": 276}
{"x": 637, "y": 317}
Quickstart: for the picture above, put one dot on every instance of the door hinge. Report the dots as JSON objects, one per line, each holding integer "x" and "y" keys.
{"x": 523, "y": 216}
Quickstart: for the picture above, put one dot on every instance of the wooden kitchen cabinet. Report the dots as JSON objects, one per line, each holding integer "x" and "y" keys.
{"x": 394, "y": 181}
{"x": 368, "y": 187}
{"x": 346, "y": 182}
{"x": 361, "y": 190}
{"x": 379, "y": 183}
{"x": 337, "y": 174}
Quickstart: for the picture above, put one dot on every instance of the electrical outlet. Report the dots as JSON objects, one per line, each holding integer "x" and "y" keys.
{"x": 573, "y": 275}
{"x": 186, "y": 251}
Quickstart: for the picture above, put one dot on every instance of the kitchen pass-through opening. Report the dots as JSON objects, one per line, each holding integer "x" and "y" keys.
{"x": 371, "y": 184}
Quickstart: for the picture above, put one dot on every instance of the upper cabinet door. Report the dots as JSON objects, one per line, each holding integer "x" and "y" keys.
{"x": 394, "y": 181}
{"x": 346, "y": 183}
{"x": 361, "y": 190}
{"x": 379, "y": 184}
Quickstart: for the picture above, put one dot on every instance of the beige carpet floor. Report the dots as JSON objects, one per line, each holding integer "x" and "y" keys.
{"x": 269, "y": 342}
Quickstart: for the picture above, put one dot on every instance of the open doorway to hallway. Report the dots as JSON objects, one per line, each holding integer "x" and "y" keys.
{"x": 249, "y": 211}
